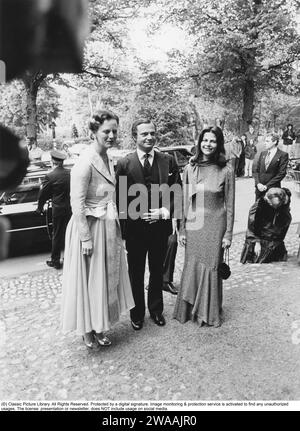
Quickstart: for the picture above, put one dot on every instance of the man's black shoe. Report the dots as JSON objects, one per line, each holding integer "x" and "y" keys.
{"x": 52, "y": 264}
{"x": 169, "y": 287}
{"x": 137, "y": 325}
{"x": 158, "y": 320}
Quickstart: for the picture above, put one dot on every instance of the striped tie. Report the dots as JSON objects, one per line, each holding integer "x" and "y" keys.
{"x": 268, "y": 159}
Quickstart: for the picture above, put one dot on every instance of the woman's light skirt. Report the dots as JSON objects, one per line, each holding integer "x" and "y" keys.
{"x": 95, "y": 289}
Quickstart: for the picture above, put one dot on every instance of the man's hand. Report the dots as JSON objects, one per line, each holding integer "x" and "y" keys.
{"x": 154, "y": 215}
{"x": 87, "y": 247}
{"x": 257, "y": 248}
{"x": 261, "y": 187}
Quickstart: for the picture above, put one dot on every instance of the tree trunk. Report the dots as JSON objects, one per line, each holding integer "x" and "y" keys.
{"x": 32, "y": 81}
{"x": 248, "y": 104}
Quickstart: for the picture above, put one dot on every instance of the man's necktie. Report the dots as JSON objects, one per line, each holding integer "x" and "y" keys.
{"x": 147, "y": 166}
{"x": 147, "y": 174}
{"x": 268, "y": 159}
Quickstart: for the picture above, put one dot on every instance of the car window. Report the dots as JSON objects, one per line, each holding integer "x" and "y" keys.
{"x": 183, "y": 156}
{"x": 23, "y": 194}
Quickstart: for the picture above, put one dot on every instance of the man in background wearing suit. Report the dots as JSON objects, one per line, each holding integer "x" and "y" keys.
{"x": 56, "y": 186}
{"x": 271, "y": 167}
{"x": 147, "y": 233}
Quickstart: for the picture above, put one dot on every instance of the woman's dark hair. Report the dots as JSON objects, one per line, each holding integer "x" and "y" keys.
{"x": 219, "y": 155}
{"x": 99, "y": 117}
{"x": 289, "y": 125}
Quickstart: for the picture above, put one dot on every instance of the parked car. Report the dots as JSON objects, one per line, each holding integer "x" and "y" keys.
{"x": 29, "y": 231}
{"x": 182, "y": 154}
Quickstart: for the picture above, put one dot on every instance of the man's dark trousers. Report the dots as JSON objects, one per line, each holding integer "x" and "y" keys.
{"x": 58, "y": 235}
{"x": 151, "y": 239}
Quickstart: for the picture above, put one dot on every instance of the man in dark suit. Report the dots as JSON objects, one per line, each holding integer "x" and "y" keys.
{"x": 56, "y": 186}
{"x": 144, "y": 178}
{"x": 271, "y": 167}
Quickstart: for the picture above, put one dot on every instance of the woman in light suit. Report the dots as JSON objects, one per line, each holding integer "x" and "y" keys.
{"x": 96, "y": 286}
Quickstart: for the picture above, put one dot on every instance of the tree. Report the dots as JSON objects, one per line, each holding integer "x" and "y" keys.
{"x": 160, "y": 97}
{"x": 241, "y": 47}
{"x": 104, "y": 17}
{"x": 16, "y": 110}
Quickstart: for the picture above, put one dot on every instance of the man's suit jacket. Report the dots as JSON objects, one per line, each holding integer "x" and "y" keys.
{"x": 56, "y": 186}
{"x": 131, "y": 168}
{"x": 276, "y": 171}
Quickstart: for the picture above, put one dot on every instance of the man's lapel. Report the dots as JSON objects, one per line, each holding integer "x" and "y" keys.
{"x": 163, "y": 167}
{"x": 135, "y": 168}
{"x": 274, "y": 159}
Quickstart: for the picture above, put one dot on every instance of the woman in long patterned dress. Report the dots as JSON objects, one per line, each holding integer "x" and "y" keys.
{"x": 96, "y": 286}
{"x": 206, "y": 229}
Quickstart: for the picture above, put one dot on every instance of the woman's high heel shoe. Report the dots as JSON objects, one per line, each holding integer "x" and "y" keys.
{"x": 92, "y": 345}
{"x": 102, "y": 339}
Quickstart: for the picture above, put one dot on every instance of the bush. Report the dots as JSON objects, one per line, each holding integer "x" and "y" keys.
{"x": 46, "y": 143}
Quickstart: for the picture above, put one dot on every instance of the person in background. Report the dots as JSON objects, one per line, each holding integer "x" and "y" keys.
{"x": 66, "y": 150}
{"x": 205, "y": 230}
{"x": 95, "y": 286}
{"x": 251, "y": 135}
{"x": 268, "y": 222}
{"x": 289, "y": 138}
{"x": 35, "y": 153}
{"x": 56, "y": 186}
{"x": 271, "y": 166}
{"x": 250, "y": 151}
{"x": 235, "y": 151}
{"x": 241, "y": 166}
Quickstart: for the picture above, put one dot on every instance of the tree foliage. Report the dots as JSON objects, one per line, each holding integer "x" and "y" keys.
{"x": 13, "y": 106}
{"x": 160, "y": 98}
{"x": 241, "y": 47}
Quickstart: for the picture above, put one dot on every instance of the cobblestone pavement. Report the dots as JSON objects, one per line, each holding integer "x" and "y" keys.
{"x": 254, "y": 355}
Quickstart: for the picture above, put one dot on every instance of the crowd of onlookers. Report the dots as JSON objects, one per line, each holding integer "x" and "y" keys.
{"x": 243, "y": 151}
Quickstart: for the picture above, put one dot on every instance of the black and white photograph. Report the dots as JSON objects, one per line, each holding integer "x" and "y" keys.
{"x": 149, "y": 207}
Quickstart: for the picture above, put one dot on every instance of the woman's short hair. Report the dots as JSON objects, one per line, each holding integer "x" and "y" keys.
{"x": 99, "y": 117}
{"x": 139, "y": 121}
{"x": 219, "y": 155}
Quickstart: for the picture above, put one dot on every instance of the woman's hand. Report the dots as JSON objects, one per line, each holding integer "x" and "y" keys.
{"x": 182, "y": 240}
{"x": 87, "y": 247}
{"x": 174, "y": 227}
{"x": 226, "y": 243}
{"x": 257, "y": 248}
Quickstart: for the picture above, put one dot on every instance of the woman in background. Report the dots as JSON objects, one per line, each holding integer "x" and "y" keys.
{"x": 289, "y": 138}
{"x": 96, "y": 287}
{"x": 206, "y": 229}
{"x": 250, "y": 151}
{"x": 241, "y": 166}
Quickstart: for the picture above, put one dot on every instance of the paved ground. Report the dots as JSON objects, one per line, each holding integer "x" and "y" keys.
{"x": 255, "y": 355}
